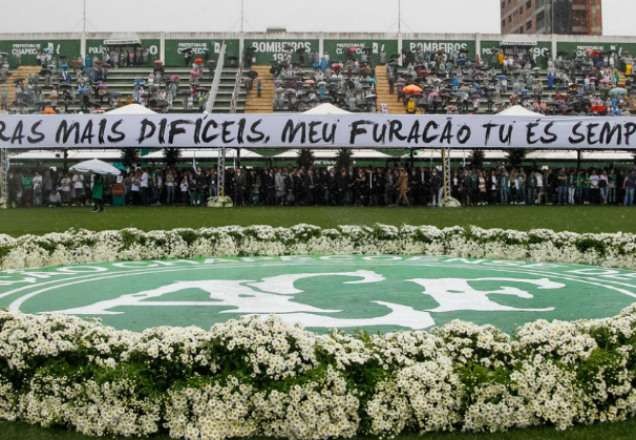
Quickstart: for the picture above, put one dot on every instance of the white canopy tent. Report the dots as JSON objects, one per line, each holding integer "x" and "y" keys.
{"x": 518, "y": 110}
{"x": 326, "y": 109}
{"x": 132, "y": 109}
{"x": 95, "y": 166}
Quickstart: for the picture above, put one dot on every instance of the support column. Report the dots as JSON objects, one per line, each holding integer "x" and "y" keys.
{"x": 321, "y": 46}
{"x": 4, "y": 178}
{"x": 162, "y": 48}
{"x": 241, "y": 49}
{"x": 446, "y": 169}
{"x": 83, "y": 47}
{"x": 554, "y": 47}
{"x": 478, "y": 46}
{"x": 220, "y": 173}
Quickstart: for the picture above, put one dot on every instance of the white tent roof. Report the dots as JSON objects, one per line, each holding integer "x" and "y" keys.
{"x": 326, "y": 109}
{"x": 321, "y": 154}
{"x": 95, "y": 166}
{"x": 517, "y": 110}
{"x": 73, "y": 155}
{"x": 132, "y": 109}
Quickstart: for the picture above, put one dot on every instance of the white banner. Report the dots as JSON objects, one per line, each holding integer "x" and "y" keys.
{"x": 373, "y": 130}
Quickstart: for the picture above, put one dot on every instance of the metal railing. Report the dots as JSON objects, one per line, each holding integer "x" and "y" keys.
{"x": 4, "y": 178}
{"x": 238, "y": 80}
{"x": 220, "y": 166}
{"x": 216, "y": 81}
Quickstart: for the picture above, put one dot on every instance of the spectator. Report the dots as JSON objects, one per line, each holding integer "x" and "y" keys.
{"x": 98, "y": 193}
{"x": 630, "y": 187}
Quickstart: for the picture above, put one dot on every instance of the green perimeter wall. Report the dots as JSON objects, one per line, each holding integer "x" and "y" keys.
{"x": 24, "y": 52}
{"x": 267, "y": 51}
{"x": 23, "y": 48}
{"x": 97, "y": 49}
{"x": 381, "y": 50}
{"x": 174, "y": 49}
{"x": 568, "y": 48}
{"x": 445, "y": 45}
{"x": 542, "y": 51}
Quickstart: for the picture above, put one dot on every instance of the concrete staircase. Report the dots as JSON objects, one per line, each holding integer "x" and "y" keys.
{"x": 22, "y": 72}
{"x": 382, "y": 91}
{"x": 254, "y": 104}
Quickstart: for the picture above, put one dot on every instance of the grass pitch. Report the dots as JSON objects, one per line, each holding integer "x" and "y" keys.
{"x": 614, "y": 431}
{"x": 577, "y": 219}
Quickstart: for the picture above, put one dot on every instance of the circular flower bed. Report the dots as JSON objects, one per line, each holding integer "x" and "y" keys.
{"x": 255, "y": 377}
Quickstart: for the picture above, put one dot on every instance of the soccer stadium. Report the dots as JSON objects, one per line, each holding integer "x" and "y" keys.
{"x": 412, "y": 220}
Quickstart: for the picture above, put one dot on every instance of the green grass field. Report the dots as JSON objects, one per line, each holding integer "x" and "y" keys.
{"x": 577, "y": 219}
{"x": 616, "y": 431}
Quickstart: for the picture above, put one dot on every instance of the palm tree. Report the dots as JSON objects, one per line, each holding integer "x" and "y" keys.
{"x": 477, "y": 159}
{"x": 516, "y": 156}
{"x": 305, "y": 158}
{"x": 171, "y": 156}
{"x": 129, "y": 156}
{"x": 343, "y": 159}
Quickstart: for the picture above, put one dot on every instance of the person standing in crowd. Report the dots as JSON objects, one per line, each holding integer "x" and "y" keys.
{"x": 481, "y": 179}
{"x": 98, "y": 193}
{"x": 65, "y": 185}
{"x": 184, "y": 190}
{"x": 403, "y": 188}
{"x": 603, "y": 184}
{"x": 504, "y": 186}
{"x": 436, "y": 189}
{"x": 594, "y": 187}
{"x": 629, "y": 185}
{"x": 144, "y": 187}
{"x": 580, "y": 196}
{"x": 279, "y": 186}
{"x": 571, "y": 188}
{"x": 562, "y": 180}
{"x": 37, "y": 189}
{"x": 135, "y": 188}
{"x": 611, "y": 185}
{"x": 170, "y": 186}
{"x": 27, "y": 190}
{"x": 78, "y": 189}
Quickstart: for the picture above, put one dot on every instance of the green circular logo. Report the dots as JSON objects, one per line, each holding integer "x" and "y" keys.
{"x": 373, "y": 293}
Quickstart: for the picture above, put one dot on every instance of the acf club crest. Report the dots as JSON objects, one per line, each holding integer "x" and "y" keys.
{"x": 372, "y": 293}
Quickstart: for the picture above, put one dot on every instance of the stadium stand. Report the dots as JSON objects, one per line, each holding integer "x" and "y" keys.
{"x": 385, "y": 97}
{"x": 264, "y": 81}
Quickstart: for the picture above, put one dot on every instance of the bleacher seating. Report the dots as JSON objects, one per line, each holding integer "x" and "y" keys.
{"x": 120, "y": 84}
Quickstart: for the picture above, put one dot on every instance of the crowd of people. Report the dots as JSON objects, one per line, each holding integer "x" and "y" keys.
{"x": 159, "y": 90}
{"x": 349, "y": 85}
{"x": 379, "y": 186}
{"x": 592, "y": 83}
{"x": 67, "y": 86}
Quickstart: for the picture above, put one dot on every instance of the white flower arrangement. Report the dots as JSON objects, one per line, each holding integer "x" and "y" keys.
{"x": 82, "y": 246}
{"x": 260, "y": 377}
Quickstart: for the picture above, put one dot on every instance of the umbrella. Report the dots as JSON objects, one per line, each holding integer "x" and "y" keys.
{"x": 95, "y": 166}
{"x": 618, "y": 91}
{"x": 412, "y": 89}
